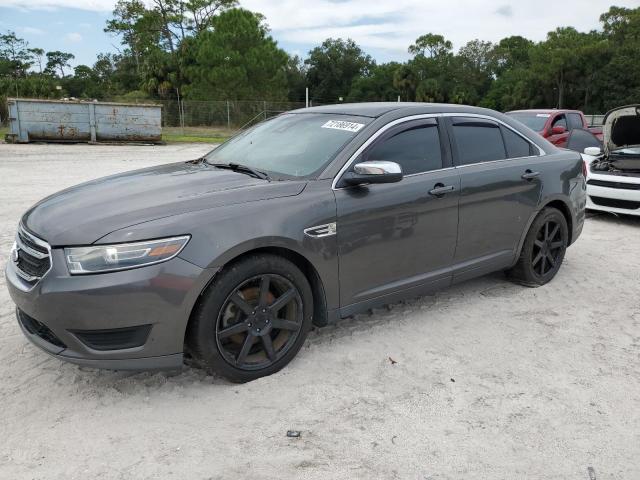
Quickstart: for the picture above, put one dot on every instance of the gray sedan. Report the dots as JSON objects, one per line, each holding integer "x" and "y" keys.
{"x": 306, "y": 218}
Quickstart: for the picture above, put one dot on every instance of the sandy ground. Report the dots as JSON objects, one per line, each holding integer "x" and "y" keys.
{"x": 492, "y": 380}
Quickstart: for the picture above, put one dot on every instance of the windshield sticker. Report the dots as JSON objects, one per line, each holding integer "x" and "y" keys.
{"x": 341, "y": 125}
{"x": 544, "y": 115}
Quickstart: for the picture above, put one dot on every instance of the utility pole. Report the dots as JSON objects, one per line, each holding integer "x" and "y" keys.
{"x": 180, "y": 113}
{"x": 306, "y": 97}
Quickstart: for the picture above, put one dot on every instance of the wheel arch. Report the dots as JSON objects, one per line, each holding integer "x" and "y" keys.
{"x": 564, "y": 208}
{"x": 320, "y": 312}
{"x": 557, "y": 203}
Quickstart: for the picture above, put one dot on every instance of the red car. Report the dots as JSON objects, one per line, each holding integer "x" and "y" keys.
{"x": 555, "y": 125}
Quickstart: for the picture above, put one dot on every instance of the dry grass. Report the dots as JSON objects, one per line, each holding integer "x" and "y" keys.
{"x": 196, "y": 134}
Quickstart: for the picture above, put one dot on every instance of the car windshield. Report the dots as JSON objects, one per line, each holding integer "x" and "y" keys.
{"x": 535, "y": 121}
{"x": 290, "y": 145}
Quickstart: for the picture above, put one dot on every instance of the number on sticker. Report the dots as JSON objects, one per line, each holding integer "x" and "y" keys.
{"x": 342, "y": 125}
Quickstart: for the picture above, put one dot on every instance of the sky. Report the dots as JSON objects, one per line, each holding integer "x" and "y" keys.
{"x": 383, "y": 28}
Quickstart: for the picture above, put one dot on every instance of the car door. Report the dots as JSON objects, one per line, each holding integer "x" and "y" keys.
{"x": 559, "y": 139}
{"x": 500, "y": 190}
{"x": 575, "y": 121}
{"x": 396, "y": 236}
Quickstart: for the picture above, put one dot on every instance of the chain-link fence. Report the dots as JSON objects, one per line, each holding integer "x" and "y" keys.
{"x": 229, "y": 114}
{"x": 202, "y": 120}
{"x": 219, "y": 118}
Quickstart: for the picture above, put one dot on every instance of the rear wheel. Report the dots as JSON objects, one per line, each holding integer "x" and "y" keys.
{"x": 252, "y": 319}
{"x": 543, "y": 250}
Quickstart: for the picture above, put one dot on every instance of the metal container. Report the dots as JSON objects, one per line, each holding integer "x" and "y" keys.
{"x": 76, "y": 121}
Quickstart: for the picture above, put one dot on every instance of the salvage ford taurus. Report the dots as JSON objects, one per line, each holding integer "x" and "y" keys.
{"x": 311, "y": 216}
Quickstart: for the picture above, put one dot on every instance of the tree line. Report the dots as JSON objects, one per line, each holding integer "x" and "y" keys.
{"x": 214, "y": 50}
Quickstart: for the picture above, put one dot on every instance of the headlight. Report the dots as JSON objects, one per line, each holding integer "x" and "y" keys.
{"x": 108, "y": 258}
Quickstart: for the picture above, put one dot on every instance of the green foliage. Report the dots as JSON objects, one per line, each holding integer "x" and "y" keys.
{"x": 431, "y": 45}
{"x": 296, "y": 79}
{"x": 378, "y": 86}
{"x": 57, "y": 61}
{"x": 237, "y": 59}
{"x": 210, "y": 50}
{"x": 15, "y": 58}
{"x": 333, "y": 66}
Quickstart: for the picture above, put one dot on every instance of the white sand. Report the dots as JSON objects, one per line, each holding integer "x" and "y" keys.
{"x": 547, "y": 380}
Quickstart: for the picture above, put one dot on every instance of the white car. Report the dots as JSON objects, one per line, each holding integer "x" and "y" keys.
{"x": 613, "y": 175}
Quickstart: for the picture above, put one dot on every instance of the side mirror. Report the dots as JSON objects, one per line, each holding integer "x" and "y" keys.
{"x": 593, "y": 151}
{"x": 374, "y": 172}
{"x": 558, "y": 130}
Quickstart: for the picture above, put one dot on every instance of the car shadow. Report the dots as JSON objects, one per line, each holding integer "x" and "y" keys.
{"x": 491, "y": 286}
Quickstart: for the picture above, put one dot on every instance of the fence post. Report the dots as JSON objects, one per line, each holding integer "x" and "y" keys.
{"x": 228, "y": 117}
{"x": 180, "y": 119}
{"x": 182, "y": 110}
{"x": 306, "y": 97}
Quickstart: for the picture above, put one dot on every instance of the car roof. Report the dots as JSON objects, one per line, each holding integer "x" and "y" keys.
{"x": 544, "y": 110}
{"x": 377, "y": 109}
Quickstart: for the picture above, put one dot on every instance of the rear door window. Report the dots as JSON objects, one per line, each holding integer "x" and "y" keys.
{"x": 477, "y": 140}
{"x": 416, "y": 148}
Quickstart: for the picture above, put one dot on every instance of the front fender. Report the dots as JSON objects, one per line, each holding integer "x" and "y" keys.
{"x": 223, "y": 233}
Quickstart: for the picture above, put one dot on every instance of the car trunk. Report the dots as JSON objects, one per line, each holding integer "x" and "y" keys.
{"x": 621, "y": 142}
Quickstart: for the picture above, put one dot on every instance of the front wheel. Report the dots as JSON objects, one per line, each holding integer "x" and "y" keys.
{"x": 543, "y": 250}
{"x": 253, "y": 319}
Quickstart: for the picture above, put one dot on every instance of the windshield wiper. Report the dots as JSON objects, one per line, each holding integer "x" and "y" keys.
{"x": 239, "y": 167}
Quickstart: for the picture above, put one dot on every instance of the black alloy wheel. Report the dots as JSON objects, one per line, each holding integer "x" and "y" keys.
{"x": 252, "y": 319}
{"x": 543, "y": 249}
{"x": 259, "y": 322}
{"x": 548, "y": 247}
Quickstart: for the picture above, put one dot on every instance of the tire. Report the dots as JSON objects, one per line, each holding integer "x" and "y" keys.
{"x": 543, "y": 250}
{"x": 252, "y": 320}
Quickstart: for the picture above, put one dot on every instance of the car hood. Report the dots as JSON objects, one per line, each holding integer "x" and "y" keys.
{"x": 621, "y": 128}
{"x": 83, "y": 214}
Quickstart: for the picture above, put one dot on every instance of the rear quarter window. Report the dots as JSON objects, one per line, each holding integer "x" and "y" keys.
{"x": 516, "y": 145}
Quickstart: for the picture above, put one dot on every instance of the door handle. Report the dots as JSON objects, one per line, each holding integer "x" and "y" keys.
{"x": 439, "y": 190}
{"x": 529, "y": 175}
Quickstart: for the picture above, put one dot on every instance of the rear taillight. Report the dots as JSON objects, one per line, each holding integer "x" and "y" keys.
{"x": 584, "y": 168}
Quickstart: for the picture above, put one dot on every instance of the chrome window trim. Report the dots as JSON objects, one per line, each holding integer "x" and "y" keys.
{"x": 372, "y": 138}
{"x": 398, "y": 121}
{"x": 542, "y": 153}
{"x": 428, "y": 172}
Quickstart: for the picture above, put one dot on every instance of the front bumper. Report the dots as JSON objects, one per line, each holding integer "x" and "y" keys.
{"x": 132, "y": 319}
{"x": 616, "y": 200}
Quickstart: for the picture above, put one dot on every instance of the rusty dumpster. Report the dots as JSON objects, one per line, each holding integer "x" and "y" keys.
{"x": 82, "y": 121}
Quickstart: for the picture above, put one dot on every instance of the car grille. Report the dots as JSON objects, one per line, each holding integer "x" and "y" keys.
{"x": 620, "y": 185}
{"x": 34, "y": 327}
{"x": 34, "y": 259}
{"x": 613, "y": 203}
